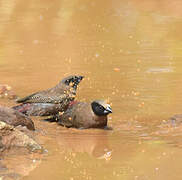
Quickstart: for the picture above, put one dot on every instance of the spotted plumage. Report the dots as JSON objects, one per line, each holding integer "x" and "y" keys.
{"x": 50, "y": 101}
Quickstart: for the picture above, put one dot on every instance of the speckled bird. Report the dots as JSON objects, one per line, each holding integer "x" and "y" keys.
{"x": 51, "y": 101}
{"x": 84, "y": 115}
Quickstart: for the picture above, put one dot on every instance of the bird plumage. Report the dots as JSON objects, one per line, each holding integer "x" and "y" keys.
{"x": 86, "y": 115}
{"x": 65, "y": 89}
{"x": 52, "y": 100}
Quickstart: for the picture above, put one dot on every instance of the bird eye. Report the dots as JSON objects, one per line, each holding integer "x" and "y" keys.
{"x": 67, "y": 82}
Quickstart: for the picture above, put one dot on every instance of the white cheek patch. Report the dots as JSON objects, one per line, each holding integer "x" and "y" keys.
{"x": 108, "y": 109}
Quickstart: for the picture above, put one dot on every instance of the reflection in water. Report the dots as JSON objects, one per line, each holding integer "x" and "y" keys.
{"x": 94, "y": 144}
{"x": 129, "y": 52}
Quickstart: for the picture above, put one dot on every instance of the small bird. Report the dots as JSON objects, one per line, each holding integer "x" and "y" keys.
{"x": 15, "y": 118}
{"x": 84, "y": 115}
{"x": 51, "y": 101}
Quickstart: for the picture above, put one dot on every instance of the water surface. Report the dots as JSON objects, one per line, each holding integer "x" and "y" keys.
{"x": 130, "y": 54}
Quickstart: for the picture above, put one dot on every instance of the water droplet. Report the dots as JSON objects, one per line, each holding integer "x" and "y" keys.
{"x": 96, "y": 55}
{"x": 41, "y": 17}
{"x": 36, "y": 41}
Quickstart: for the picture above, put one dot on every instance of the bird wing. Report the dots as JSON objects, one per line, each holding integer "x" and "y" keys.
{"x": 25, "y": 99}
{"x": 42, "y": 98}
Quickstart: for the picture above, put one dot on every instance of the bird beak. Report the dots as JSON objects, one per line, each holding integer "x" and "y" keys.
{"x": 108, "y": 109}
{"x": 81, "y": 77}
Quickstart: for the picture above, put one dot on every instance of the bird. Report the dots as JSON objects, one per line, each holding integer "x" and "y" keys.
{"x": 51, "y": 101}
{"x": 83, "y": 115}
{"x": 15, "y": 118}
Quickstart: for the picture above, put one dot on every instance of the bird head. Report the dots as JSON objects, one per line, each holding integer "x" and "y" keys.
{"x": 101, "y": 108}
{"x": 72, "y": 81}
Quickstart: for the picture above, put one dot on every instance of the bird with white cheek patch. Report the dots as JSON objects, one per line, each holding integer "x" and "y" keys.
{"x": 86, "y": 115}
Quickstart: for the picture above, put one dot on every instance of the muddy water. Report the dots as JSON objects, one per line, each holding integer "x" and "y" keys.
{"x": 130, "y": 54}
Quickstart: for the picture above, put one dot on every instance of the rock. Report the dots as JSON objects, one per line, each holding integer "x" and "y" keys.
{"x": 173, "y": 122}
{"x": 15, "y": 118}
{"x": 176, "y": 120}
{"x": 177, "y": 117}
{"x": 6, "y": 92}
{"x": 11, "y": 137}
{"x": 9, "y": 176}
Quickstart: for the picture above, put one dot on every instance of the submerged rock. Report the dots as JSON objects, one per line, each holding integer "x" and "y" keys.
{"x": 15, "y": 118}
{"x": 11, "y": 137}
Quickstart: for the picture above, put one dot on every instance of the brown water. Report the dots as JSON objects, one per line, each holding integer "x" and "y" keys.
{"x": 130, "y": 53}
